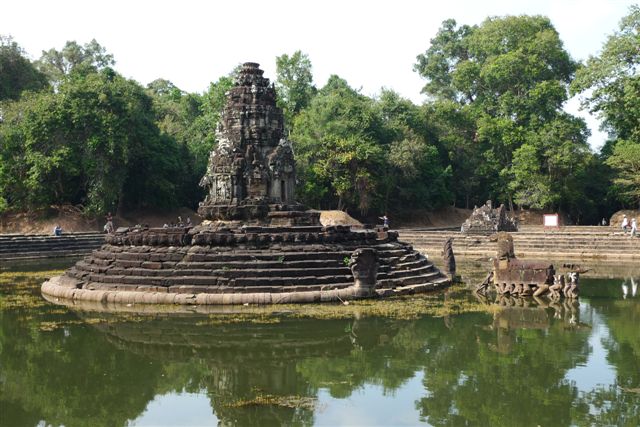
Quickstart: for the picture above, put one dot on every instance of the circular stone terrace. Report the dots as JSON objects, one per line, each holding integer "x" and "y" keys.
{"x": 247, "y": 265}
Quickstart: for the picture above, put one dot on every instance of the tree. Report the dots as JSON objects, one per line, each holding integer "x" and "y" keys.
{"x": 625, "y": 161}
{"x": 93, "y": 142}
{"x": 610, "y": 82}
{"x": 191, "y": 120}
{"x": 338, "y": 154}
{"x": 414, "y": 176}
{"x": 294, "y": 82}
{"x": 17, "y": 73}
{"x": 610, "y": 86}
{"x": 91, "y": 57}
{"x": 504, "y": 82}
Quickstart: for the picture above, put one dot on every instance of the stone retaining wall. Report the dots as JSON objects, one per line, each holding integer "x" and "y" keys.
{"x": 23, "y": 247}
{"x": 597, "y": 243}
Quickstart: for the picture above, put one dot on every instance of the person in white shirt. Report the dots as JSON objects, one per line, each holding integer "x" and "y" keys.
{"x": 625, "y": 223}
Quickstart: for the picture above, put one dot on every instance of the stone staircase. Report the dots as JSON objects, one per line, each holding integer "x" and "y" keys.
{"x": 22, "y": 247}
{"x": 534, "y": 242}
{"x": 300, "y": 268}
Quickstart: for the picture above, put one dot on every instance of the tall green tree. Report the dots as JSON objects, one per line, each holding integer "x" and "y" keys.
{"x": 625, "y": 161}
{"x": 17, "y": 72}
{"x": 337, "y": 147}
{"x": 414, "y": 176}
{"x": 610, "y": 85}
{"x": 190, "y": 119}
{"x": 90, "y": 57}
{"x": 610, "y": 82}
{"x": 93, "y": 142}
{"x": 504, "y": 81}
{"x": 294, "y": 82}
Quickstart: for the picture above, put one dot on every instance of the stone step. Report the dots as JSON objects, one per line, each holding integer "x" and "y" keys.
{"x": 195, "y": 289}
{"x": 282, "y": 270}
{"x": 409, "y": 280}
{"x": 397, "y": 274}
{"x": 35, "y": 248}
{"x": 73, "y": 253}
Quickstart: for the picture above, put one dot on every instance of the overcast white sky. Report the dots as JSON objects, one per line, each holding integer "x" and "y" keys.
{"x": 372, "y": 44}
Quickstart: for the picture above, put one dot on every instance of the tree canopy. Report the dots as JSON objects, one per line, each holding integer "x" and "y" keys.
{"x": 17, "y": 73}
{"x": 496, "y": 94}
{"x": 610, "y": 84}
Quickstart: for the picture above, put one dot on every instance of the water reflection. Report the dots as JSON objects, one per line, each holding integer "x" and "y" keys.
{"x": 524, "y": 365}
{"x": 629, "y": 283}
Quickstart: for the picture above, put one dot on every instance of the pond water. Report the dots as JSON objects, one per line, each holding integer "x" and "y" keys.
{"x": 473, "y": 363}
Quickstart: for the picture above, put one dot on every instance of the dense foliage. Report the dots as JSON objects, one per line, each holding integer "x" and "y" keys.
{"x": 72, "y": 130}
{"x": 611, "y": 81}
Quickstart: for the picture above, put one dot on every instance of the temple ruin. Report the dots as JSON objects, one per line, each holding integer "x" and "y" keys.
{"x": 257, "y": 245}
{"x": 487, "y": 220}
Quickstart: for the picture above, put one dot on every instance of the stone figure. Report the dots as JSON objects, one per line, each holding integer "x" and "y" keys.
{"x": 449, "y": 258}
{"x": 574, "y": 279}
{"x": 505, "y": 246}
{"x": 364, "y": 267}
{"x": 558, "y": 285}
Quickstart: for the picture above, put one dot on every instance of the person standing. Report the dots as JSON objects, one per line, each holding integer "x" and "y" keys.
{"x": 385, "y": 221}
{"x": 108, "y": 227}
{"x": 634, "y": 228}
{"x": 625, "y": 223}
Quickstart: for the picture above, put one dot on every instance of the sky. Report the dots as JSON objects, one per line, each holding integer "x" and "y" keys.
{"x": 372, "y": 44}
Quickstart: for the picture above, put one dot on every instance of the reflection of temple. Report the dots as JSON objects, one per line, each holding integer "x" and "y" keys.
{"x": 252, "y": 166}
{"x": 239, "y": 361}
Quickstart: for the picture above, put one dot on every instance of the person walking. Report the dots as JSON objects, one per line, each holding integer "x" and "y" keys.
{"x": 634, "y": 228}
{"x": 625, "y": 223}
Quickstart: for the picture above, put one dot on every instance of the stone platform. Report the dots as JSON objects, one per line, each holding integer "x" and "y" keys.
{"x": 254, "y": 265}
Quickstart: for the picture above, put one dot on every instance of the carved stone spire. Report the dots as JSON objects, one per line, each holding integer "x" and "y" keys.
{"x": 252, "y": 168}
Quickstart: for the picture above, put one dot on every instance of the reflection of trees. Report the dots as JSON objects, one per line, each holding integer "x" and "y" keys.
{"x": 478, "y": 369}
{"x": 381, "y": 352}
{"x": 235, "y": 362}
{"x": 486, "y": 385}
{"x": 618, "y": 404}
{"x": 64, "y": 378}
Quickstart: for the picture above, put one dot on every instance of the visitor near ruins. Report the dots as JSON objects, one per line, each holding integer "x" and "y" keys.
{"x": 625, "y": 223}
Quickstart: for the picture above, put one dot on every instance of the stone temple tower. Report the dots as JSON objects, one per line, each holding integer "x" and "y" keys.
{"x": 252, "y": 170}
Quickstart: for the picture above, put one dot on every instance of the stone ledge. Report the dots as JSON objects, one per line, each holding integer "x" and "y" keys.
{"x": 68, "y": 289}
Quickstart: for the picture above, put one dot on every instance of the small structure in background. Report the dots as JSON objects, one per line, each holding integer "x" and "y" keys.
{"x": 486, "y": 220}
